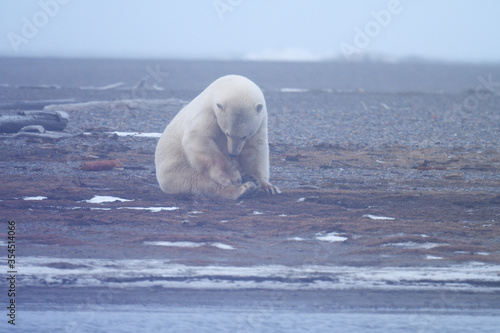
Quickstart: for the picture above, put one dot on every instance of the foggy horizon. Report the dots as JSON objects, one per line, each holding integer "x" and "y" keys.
{"x": 314, "y": 31}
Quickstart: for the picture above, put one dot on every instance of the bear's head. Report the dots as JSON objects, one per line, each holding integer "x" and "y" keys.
{"x": 239, "y": 121}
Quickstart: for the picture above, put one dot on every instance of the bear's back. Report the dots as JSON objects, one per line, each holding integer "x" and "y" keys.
{"x": 235, "y": 86}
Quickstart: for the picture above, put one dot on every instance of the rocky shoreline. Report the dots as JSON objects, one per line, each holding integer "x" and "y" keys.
{"x": 369, "y": 179}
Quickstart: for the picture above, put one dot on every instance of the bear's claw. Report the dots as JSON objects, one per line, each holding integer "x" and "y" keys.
{"x": 270, "y": 189}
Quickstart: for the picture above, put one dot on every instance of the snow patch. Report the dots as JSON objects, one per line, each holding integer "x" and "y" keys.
{"x": 137, "y": 134}
{"x": 429, "y": 257}
{"x": 34, "y": 198}
{"x": 414, "y": 245}
{"x": 221, "y": 246}
{"x": 105, "y": 198}
{"x": 374, "y": 217}
{"x": 152, "y": 209}
{"x": 331, "y": 237}
{"x": 175, "y": 244}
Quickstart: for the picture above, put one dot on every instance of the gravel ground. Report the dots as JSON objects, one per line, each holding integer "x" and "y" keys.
{"x": 349, "y": 143}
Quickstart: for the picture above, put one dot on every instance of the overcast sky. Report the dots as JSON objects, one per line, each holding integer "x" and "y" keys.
{"x": 449, "y": 30}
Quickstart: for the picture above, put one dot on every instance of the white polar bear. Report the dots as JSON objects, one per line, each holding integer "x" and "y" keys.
{"x": 214, "y": 140}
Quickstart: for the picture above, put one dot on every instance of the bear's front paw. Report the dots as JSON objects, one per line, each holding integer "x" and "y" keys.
{"x": 233, "y": 174}
{"x": 235, "y": 177}
{"x": 269, "y": 188}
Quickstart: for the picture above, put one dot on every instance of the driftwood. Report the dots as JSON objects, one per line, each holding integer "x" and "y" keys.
{"x": 35, "y": 105}
{"x": 37, "y": 131}
{"x": 102, "y": 165}
{"x": 50, "y": 120}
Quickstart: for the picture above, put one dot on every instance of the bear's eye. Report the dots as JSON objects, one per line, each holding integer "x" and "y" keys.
{"x": 244, "y": 138}
{"x": 227, "y": 134}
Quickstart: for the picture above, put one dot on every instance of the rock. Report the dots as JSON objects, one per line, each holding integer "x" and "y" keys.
{"x": 50, "y": 120}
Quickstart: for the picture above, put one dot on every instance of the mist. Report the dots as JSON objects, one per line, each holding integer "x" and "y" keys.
{"x": 388, "y": 30}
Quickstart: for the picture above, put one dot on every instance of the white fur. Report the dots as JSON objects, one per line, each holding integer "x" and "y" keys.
{"x": 214, "y": 140}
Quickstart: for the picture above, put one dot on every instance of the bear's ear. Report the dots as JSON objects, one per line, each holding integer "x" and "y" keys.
{"x": 220, "y": 106}
{"x": 259, "y": 107}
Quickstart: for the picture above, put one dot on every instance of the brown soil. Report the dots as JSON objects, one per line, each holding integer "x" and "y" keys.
{"x": 441, "y": 203}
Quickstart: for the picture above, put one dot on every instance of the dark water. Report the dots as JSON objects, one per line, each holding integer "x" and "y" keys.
{"x": 130, "y": 319}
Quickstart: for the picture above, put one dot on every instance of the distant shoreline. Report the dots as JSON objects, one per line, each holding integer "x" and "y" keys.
{"x": 177, "y": 74}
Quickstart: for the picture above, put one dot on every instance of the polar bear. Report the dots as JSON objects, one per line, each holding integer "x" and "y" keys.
{"x": 216, "y": 140}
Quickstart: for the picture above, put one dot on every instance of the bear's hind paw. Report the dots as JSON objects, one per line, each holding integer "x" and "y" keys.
{"x": 247, "y": 188}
